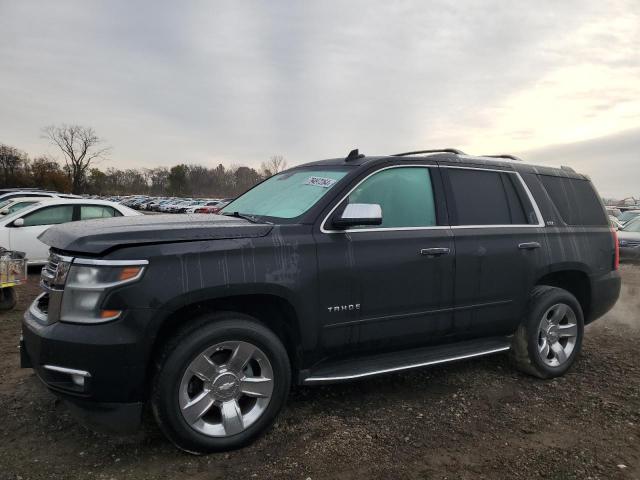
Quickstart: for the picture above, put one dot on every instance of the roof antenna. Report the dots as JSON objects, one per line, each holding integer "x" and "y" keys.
{"x": 354, "y": 155}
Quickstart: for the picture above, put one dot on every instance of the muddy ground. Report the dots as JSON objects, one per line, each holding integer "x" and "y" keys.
{"x": 471, "y": 420}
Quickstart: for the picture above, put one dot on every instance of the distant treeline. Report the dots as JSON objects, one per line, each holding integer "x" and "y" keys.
{"x": 18, "y": 170}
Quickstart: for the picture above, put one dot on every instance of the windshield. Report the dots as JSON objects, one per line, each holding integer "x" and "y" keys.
{"x": 628, "y": 215}
{"x": 288, "y": 194}
{"x": 19, "y": 205}
{"x": 17, "y": 213}
{"x": 632, "y": 226}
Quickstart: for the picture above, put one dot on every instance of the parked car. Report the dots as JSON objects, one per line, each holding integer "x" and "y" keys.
{"x": 33, "y": 193}
{"x": 174, "y": 207}
{"x": 182, "y": 207}
{"x": 328, "y": 272}
{"x": 204, "y": 203}
{"x": 212, "y": 208}
{"x": 20, "y": 230}
{"x": 169, "y": 206}
{"x": 629, "y": 240}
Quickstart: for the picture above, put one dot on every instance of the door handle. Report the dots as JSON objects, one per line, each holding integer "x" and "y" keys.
{"x": 433, "y": 252}
{"x": 528, "y": 245}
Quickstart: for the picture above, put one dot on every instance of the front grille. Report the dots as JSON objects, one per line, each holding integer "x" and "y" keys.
{"x": 54, "y": 273}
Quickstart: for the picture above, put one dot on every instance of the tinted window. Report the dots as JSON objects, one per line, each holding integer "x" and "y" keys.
{"x": 482, "y": 197}
{"x": 404, "y": 194}
{"x": 575, "y": 199}
{"x": 88, "y": 212}
{"x": 49, "y": 216}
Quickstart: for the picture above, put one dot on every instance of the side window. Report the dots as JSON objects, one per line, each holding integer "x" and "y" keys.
{"x": 17, "y": 206}
{"x": 483, "y": 197}
{"x": 405, "y": 195}
{"x": 576, "y": 200}
{"x": 88, "y": 212}
{"x": 49, "y": 216}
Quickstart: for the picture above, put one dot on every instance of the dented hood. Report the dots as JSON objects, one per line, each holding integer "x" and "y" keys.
{"x": 98, "y": 236}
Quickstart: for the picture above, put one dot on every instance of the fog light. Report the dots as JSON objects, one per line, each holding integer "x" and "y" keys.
{"x": 78, "y": 380}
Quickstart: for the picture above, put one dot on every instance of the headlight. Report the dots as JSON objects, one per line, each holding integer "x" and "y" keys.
{"x": 87, "y": 285}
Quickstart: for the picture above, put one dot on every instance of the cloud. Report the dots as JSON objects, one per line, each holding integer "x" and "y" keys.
{"x": 236, "y": 82}
{"x": 612, "y": 162}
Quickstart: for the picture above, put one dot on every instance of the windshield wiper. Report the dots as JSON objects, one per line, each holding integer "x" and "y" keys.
{"x": 244, "y": 216}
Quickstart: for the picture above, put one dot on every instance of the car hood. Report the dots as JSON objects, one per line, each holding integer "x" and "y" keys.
{"x": 98, "y": 236}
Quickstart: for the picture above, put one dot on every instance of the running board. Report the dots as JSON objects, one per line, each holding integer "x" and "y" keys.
{"x": 404, "y": 360}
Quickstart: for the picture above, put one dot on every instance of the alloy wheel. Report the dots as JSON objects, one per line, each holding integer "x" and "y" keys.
{"x": 557, "y": 334}
{"x": 226, "y": 388}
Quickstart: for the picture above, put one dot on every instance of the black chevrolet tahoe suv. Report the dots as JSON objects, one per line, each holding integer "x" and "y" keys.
{"x": 330, "y": 271}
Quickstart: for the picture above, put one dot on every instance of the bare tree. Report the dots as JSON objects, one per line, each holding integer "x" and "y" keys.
{"x": 275, "y": 164}
{"x": 80, "y": 146}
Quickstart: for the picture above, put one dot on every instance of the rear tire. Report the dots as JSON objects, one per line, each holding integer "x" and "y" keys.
{"x": 220, "y": 383}
{"x": 8, "y": 298}
{"x": 549, "y": 339}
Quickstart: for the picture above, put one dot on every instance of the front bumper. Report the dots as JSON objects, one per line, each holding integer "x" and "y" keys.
{"x": 100, "y": 370}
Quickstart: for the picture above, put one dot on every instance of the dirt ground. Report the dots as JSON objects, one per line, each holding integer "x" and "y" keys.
{"x": 478, "y": 419}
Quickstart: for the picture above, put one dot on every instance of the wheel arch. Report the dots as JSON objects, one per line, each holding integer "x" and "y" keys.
{"x": 276, "y": 312}
{"x": 575, "y": 281}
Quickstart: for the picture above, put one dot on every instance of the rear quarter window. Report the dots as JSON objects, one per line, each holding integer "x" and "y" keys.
{"x": 576, "y": 200}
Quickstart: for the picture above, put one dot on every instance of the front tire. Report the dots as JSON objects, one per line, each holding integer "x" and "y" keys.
{"x": 548, "y": 341}
{"x": 220, "y": 383}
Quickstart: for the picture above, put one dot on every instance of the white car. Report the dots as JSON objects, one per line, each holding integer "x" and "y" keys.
{"x": 20, "y": 230}
{"x": 210, "y": 203}
{"x": 34, "y": 193}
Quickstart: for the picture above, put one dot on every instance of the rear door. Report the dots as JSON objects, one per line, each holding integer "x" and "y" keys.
{"x": 380, "y": 288}
{"x": 497, "y": 230}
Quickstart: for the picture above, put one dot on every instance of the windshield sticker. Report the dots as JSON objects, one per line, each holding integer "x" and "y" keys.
{"x": 320, "y": 182}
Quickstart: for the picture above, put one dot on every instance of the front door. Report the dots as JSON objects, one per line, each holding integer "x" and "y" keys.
{"x": 389, "y": 286}
{"x": 25, "y": 238}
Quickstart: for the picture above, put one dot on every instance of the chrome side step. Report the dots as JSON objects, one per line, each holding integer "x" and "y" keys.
{"x": 405, "y": 360}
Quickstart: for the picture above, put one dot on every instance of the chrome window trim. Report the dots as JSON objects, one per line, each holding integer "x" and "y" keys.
{"x": 377, "y": 229}
{"x": 109, "y": 263}
{"x": 70, "y": 371}
{"x": 536, "y": 209}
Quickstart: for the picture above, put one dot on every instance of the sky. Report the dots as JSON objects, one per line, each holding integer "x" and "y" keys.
{"x": 236, "y": 82}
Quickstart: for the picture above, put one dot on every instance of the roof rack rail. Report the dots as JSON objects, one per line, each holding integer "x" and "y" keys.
{"x": 504, "y": 155}
{"x": 435, "y": 150}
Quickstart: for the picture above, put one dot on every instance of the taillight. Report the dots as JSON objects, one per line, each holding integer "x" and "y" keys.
{"x": 616, "y": 253}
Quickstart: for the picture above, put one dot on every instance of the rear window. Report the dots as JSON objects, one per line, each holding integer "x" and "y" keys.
{"x": 482, "y": 197}
{"x": 576, "y": 200}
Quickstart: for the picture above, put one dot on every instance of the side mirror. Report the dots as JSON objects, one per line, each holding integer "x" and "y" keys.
{"x": 18, "y": 222}
{"x": 357, "y": 214}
